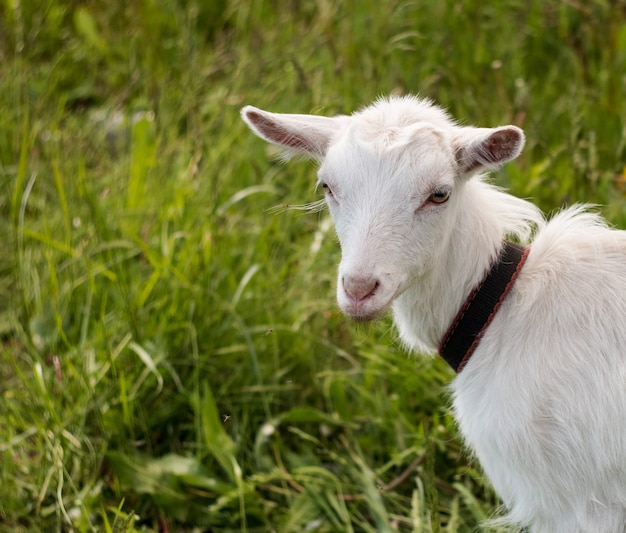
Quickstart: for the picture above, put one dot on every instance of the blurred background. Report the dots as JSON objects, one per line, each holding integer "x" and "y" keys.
{"x": 171, "y": 355}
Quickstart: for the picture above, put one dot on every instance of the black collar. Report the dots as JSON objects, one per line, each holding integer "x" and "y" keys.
{"x": 482, "y": 304}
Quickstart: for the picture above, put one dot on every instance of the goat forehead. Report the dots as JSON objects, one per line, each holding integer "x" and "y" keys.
{"x": 384, "y": 134}
{"x": 388, "y": 157}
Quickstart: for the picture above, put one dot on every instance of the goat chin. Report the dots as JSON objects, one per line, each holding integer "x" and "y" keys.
{"x": 363, "y": 315}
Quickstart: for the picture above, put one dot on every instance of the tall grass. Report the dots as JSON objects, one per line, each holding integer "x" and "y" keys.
{"x": 171, "y": 356}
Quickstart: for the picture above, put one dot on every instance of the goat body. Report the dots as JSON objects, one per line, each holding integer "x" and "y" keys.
{"x": 542, "y": 402}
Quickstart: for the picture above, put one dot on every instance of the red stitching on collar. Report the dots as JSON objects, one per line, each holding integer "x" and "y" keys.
{"x": 463, "y": 328}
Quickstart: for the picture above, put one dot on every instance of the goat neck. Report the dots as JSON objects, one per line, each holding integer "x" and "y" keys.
{"x": 427, "y": 307}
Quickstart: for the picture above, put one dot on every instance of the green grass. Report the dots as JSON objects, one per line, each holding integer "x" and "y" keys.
{"x": 171, "y": 355}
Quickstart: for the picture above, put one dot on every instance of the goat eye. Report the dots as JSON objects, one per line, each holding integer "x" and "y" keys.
{"x": 439, "y": 196}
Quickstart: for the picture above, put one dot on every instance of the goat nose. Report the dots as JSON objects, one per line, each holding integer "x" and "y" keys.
{"x": 359, "y": 288}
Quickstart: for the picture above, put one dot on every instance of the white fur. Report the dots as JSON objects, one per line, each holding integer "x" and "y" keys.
{"x": 542, "y": 402}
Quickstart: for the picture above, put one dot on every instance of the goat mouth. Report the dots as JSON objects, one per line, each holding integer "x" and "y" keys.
{"x": 368, "y": 307}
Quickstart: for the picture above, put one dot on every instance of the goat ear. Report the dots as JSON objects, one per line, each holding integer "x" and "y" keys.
{"x": 487, "y": 148}
{"x": 296, "y": 134}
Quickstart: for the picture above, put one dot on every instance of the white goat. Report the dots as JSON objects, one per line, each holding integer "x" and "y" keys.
{"x": 542, "y": 402}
